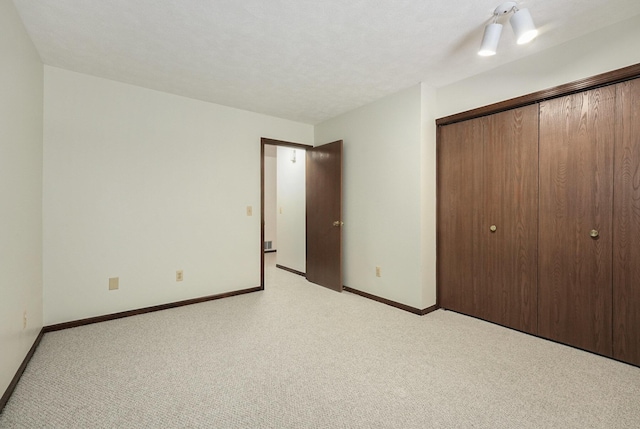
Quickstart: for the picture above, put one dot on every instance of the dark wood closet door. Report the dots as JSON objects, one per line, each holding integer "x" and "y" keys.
{"x": 576, "y": 195}
{"x": 626, "y": 247}
{"x": 507, "y": 281}
{"x": 459, "y": 172}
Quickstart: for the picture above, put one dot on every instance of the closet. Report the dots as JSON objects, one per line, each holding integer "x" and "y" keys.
{"x": 539, "y": 219}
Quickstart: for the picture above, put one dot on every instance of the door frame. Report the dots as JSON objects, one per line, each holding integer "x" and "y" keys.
{"x": 267, "y": 141}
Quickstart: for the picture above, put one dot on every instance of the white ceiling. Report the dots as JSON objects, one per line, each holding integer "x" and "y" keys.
{"x": 297, "y": 59}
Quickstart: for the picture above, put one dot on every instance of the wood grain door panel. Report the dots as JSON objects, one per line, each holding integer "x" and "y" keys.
{"x": 508, "y": 275}
{"x": 459, "y": 170}
{"x": 324, "y": 208}
{"x": 626, "y": 247}
{"x": 576, "y": 186}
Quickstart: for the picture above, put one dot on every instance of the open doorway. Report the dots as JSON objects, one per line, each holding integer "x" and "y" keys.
{"x": 282, "y": 207}
{"x": 321, "y": 185}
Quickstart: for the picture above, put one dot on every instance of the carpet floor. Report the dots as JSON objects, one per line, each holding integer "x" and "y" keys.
{"x": 297, "y": 355}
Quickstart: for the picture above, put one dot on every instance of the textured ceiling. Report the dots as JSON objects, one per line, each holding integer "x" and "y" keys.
{"x": 297, "y": 59}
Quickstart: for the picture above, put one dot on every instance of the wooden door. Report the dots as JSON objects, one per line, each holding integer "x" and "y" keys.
{"x": 459, "y": 172}
{"x": 507, "y": 280}
{"x": 576, "y": 187}
{"x": 626, "y": 247}
{"x": 324, "y": 215}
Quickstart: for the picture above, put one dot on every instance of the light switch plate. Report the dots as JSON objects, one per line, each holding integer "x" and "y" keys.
{"x": 114, "y": 283}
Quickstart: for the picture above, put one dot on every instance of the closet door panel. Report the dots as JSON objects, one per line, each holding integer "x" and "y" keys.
{"x": 626, "y": 253}
{"x": 510, "y": 203}
{"x": 459, "y": 169}
{"x": 576, "y": 196}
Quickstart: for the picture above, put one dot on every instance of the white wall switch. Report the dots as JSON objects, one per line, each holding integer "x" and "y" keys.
{"x": 114, "y": 283}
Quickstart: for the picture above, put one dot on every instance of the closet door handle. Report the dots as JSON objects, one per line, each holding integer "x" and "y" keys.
{"x": 594, "y": 233}
{"x": 493, "y": 228}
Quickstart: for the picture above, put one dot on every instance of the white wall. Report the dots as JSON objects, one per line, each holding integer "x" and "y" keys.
{"x": 270, "y": 196}
{"x": 607, "y": 49}
{"x": 21, "y": 86}
{"x": 382, "y": 195}
{"x": 139, "y": 184}
{"x": 292, "y": 242}
{"x": 428, "y": 195}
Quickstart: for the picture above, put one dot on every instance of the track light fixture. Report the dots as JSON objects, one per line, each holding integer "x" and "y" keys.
{"x": 521, "y": 22}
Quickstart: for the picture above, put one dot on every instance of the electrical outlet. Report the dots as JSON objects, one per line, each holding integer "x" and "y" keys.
{"x": 24, "y": 319}
{"x": 179, "y": 276}
{"x": 249, "y": 211}
{"x": 114, "y": 283}
{"x": 378, "y": 272}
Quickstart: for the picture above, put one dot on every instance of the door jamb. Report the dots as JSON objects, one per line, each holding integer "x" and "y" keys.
{"x": 267, "y": 141}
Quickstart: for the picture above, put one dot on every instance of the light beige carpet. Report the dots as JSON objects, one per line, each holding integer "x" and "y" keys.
{"x": 301, "y": 356}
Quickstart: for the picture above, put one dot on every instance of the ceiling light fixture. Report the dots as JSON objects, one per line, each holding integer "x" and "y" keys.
{"x": 491, "y": 37}
{"x": 521, "y": 22}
